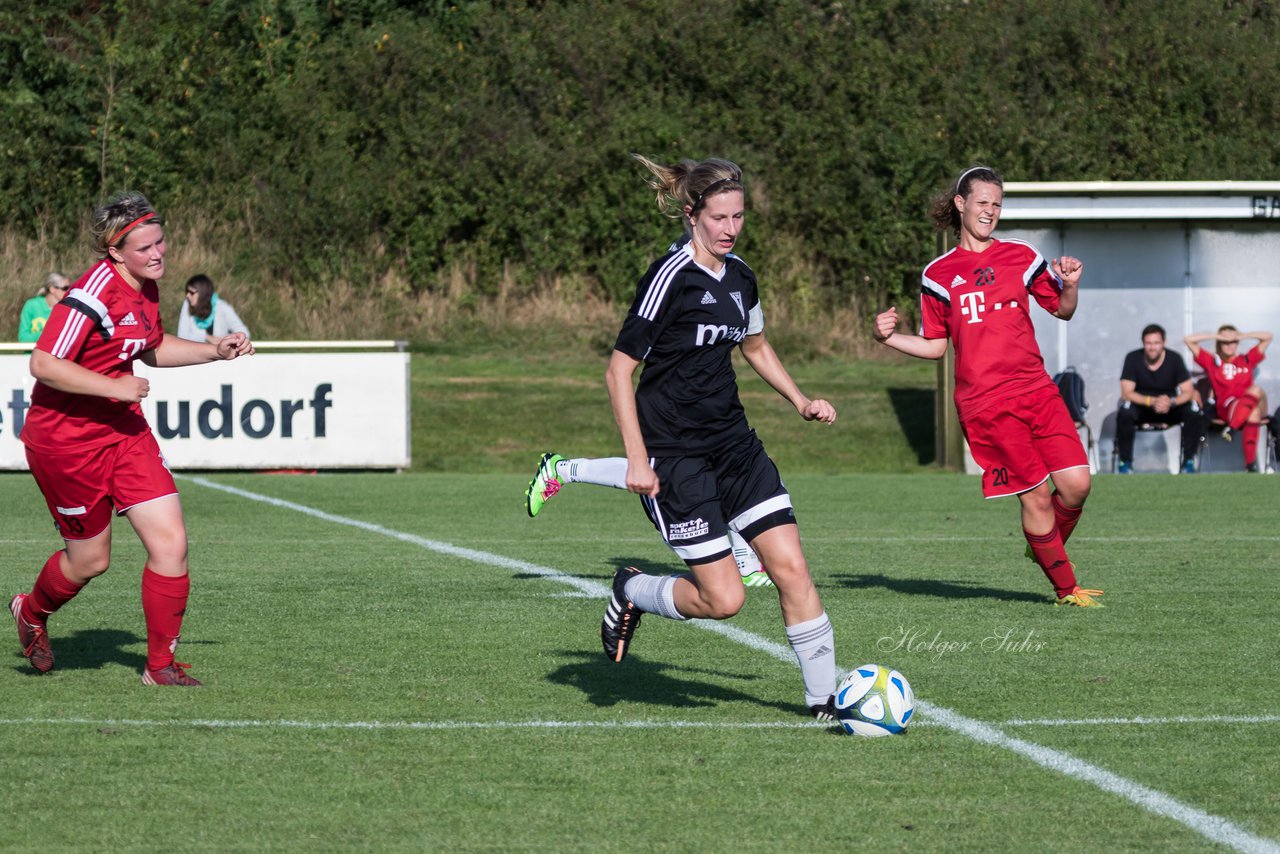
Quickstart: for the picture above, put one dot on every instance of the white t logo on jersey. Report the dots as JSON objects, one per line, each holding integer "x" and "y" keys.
{"x": 972, "y": 305}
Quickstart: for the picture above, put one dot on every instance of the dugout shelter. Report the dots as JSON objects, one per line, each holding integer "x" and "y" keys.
{"x": 1188, "y": 255}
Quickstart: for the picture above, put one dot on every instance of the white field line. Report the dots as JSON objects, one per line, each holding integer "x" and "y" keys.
{"x": 603, "y": 725}
{"x": 971, "y": 538}
{"x": 1145, "y": 721}
{"x": 1214, "y": 828}
{"x": 421, "y": 725}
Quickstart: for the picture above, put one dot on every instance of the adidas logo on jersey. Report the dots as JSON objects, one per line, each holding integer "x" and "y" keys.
{"x": 958, "y": 280}
{"x": 708, "y": 299}
{"x": 128, "y": 320}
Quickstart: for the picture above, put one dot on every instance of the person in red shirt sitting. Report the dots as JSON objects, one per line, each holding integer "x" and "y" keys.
{"x": 1239, "y": 401}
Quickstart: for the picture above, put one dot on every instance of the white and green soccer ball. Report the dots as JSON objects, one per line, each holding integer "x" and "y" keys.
{"x": 874, "y": 700}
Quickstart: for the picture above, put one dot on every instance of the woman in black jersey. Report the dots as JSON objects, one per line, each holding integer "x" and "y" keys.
{"x": 691, "y": 456}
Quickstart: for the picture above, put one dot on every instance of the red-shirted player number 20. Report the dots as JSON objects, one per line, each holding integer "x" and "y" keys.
{"x": 131, "y": 348}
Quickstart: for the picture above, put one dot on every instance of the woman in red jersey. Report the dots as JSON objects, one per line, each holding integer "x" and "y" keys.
{"x": 978, "y": 295}
{"x": 1238, "y": 399}
{"x": 89, "y": 446}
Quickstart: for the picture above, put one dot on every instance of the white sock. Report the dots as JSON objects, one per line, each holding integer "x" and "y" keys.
{"x": 815, "y": 647}
{"x": 606, "y": 471}
{"x": 655, "y": 594}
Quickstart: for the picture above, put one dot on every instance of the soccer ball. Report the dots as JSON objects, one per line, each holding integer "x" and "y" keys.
{"x": 874, "y": 700}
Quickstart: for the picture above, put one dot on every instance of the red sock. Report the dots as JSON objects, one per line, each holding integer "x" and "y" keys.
{"x": 1052, "y": 557}
{"x": 164, "y": 601}
{"x": 1249, "y": 432}
{"x": 52, "y": 590}
{"x": 1066, "y": 516}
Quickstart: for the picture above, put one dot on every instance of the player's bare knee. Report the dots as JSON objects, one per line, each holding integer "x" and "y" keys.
{"x": 723, "y": 604}
{"x": 1076, "y": 493}
{"x": 1038, "y": 501}
{"x": 169, "y": 550}
{"x": 84, "y": 568}
{"x": 791, "y": 576}
{"x": 172, "y": 563}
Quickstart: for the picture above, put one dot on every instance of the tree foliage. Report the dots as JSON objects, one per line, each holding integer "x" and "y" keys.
{"x": 350, "y": 138}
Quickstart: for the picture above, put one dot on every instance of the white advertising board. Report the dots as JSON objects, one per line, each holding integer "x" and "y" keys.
{"x": 268, "y": 411}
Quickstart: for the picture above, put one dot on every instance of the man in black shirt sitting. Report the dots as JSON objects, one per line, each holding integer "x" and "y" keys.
{"x": 1156, "y": 388}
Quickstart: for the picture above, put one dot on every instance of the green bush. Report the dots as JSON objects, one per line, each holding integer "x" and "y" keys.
{"x": 360, "y": 139}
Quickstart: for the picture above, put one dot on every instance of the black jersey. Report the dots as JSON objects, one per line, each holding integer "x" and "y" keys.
{"x": 684, "y": 325}
{"x": 1163, "y": 380}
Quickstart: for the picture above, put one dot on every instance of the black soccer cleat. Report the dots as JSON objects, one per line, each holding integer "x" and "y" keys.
{"x": 825, "y": 712}
{"x": 621, "y": 617}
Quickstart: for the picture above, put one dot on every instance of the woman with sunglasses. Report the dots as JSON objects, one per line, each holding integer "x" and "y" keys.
{"x": 1239, "y": 402}
{"x": 36, "y": 311}
{"x": 698, "y": 466}
{"x": 91, "y": 450}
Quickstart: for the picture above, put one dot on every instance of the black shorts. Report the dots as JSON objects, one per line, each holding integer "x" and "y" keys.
{"x": 702, "y": 497}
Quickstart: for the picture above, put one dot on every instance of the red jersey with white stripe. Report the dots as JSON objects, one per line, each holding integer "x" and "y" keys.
{"x": 1231, "y": 378}
{"x": 104, "y": 325}
{"x": 981, "y": 301}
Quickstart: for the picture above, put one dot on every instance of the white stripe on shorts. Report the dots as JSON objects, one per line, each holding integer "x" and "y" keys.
{"x": 754, "y": 514}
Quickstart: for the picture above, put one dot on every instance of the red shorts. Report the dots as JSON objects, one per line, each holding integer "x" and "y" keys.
{"x": 1019, "y": 442}
{"x": 82, "y": 488}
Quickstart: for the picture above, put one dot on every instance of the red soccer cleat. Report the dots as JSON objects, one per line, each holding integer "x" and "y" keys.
{"x": 174, "y": 674}
{"x": 34, "y": 638}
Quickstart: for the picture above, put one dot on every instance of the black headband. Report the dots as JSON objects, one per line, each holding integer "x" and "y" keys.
{"x": 714, "y": 185}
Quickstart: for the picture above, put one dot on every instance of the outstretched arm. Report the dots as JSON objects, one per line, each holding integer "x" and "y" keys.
{"x": 764, "y": 360}
{"x": 175, "y": 352}
{"x": 886, "y": 332}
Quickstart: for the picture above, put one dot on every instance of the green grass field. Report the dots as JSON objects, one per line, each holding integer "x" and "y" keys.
{"x": 509, "y": 407}
{"x": 409, "y": 663}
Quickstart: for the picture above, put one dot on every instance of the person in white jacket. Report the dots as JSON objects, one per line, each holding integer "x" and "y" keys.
{"x": 204, "y": 316}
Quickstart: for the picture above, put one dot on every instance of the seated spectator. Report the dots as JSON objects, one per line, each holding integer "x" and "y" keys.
{"x": 1238, "y": 399}
{"x": 204, "y": 316}
{"x": 36, "y": 310}
{"x": 1156, "y": 388}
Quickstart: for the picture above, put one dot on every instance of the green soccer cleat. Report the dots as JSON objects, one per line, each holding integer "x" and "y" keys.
{"x": 545, "y": 484}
